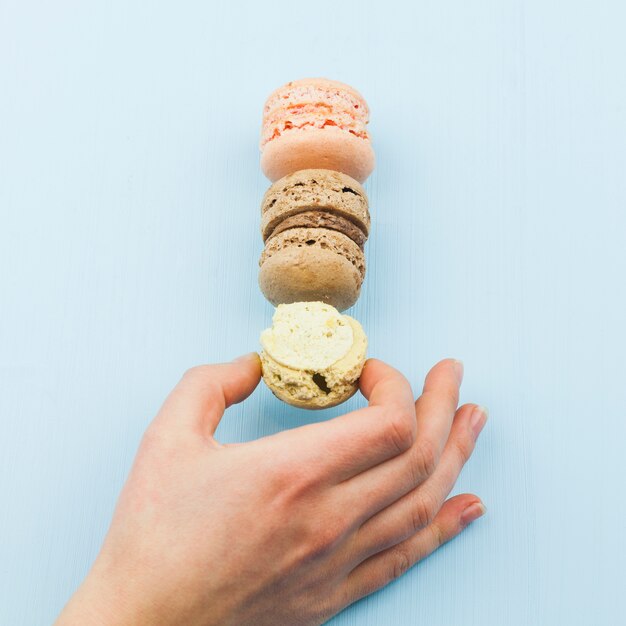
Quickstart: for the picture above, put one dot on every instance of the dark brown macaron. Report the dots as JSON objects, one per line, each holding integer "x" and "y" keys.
{"x": 321, "y": 191}
{"x": 314, "y": 224}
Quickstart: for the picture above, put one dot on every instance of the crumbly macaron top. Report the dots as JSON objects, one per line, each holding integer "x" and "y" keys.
{"x": 314, "y": 103}
{"x": 307, "y": 336}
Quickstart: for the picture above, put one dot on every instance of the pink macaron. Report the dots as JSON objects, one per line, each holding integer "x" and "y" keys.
{"x": 316, "y": 123}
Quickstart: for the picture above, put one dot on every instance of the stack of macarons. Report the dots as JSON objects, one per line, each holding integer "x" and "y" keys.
{"x": 314, "y": 221}
{"x": 314, "y": 224}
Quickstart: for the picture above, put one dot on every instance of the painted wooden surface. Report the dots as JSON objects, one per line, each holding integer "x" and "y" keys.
{"x": 129, "y": 239}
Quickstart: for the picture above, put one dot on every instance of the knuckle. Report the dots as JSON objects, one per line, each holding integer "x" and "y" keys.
{"x": 288, "y": 481}
{"x": 195, "y": 372}
{"x": 322, "y": 539}
{"x": 296, "y": 497}
{"x": 400, "y": 563}
{"x": 203, "y": 376}
{"x": 469, "y": 406}
{"x": 425, "y": 461}
{"x": 463, "y": 446}
{"x": 320, "y": 610}
{"x": 450, "y": 395}
{"x": 400, "y": 429}
{"x": 302, "y": 480}
{"x": 276, "y": 478}
{"x": 152, "y": 440}
{"x": 342, "y": 597}
{"x": 438, "y": 535}
{"x": 423, "y": 512}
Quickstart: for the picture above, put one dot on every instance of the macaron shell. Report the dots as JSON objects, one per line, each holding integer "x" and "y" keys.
{"x": 314, "y": 189}
{"x": 314, "y": 104}
{"x": 296, "y": 387}
{"x": 321, "y": 148}
{"x": 309, "y": 264}
{"x": 285, "y": 92}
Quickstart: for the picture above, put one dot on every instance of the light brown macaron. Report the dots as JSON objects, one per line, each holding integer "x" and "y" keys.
{"x": 316, "y": 123}
{"x": 314, "y": 223}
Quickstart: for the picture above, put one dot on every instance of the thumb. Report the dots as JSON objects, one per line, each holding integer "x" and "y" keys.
{"x": 203, "y": 394}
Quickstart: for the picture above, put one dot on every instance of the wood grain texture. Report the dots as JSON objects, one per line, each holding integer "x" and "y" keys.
{"x": 129, "y": 239}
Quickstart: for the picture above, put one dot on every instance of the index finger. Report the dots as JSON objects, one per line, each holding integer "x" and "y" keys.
{"x": 352, "y": 443}
{"x": 199, "y": 400}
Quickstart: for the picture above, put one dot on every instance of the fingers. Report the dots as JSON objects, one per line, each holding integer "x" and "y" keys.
{"x": 198, "y": 401}
{"x": 435, "y": 408}
{"x": 383, "y": 385}
{"x": 376, "y": 488}
{"x": 416, "y": 510}
{"x": 347, "y": 445}
{"x": 382, "y": 568}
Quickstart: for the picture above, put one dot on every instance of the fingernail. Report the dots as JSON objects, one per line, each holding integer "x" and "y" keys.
{"x": 472, "y": 513}
{"x": 458, "y": 369}
{"x": 478, "y": 420}
{"x": 246, "y": 357}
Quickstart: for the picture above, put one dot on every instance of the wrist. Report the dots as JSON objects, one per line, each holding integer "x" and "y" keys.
{"x": 105, "y": 598}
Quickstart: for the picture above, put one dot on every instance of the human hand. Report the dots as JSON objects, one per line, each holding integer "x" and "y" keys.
{"x": 287, "y": 529}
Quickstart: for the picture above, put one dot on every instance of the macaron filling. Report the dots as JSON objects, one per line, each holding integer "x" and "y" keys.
{"x": 321, "y": 219}
{"x": 309, "y": 336}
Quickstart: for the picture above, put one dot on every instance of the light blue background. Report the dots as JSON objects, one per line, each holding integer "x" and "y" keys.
{"x": 129, "y": 195}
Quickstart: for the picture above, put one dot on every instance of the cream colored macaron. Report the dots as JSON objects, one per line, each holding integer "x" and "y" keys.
{"x": 312, "y": 355}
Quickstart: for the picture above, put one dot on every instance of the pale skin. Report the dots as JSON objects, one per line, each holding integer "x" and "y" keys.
{"x": 287, "y": 529}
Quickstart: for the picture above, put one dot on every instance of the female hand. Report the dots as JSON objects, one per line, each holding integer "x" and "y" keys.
{"x": 288, "y": 529}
